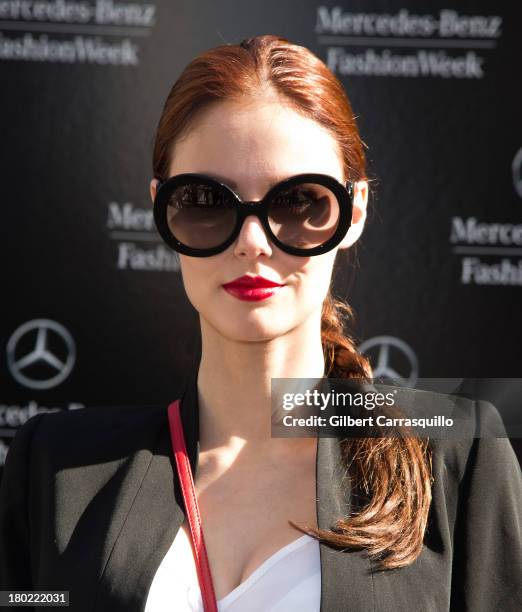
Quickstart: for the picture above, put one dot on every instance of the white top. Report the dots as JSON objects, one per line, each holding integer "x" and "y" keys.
{"x": 288, "y": 580}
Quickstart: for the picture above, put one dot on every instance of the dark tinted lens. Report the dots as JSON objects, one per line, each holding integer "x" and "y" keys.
{"x": 304, "y": 216}
{"x": 200, "y": 215}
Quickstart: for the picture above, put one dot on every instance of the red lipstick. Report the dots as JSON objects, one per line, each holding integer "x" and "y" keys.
{"x": 252, "y": 288}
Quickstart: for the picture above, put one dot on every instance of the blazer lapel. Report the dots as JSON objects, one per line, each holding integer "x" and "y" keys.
{"x": 346, "y": 576}
{"x": 149, "y": 525}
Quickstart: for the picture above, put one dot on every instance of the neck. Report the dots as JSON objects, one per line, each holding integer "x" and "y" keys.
{"x": 234, "y": 386}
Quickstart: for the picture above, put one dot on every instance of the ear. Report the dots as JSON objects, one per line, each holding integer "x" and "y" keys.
{"x": 153, "y": 187}
{"x": 360, "y": 201}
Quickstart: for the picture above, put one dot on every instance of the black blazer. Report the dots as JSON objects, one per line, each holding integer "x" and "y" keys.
{"x": 90, "y": 503}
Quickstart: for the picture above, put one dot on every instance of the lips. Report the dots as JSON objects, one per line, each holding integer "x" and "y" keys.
{"x": 252, "y": 288}
{"x": 254, "y": 282}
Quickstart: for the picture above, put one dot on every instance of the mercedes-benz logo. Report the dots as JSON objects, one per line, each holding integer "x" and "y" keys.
{"x": 388, "y": 350}
{"x": 516, "y": 168}
{"x": 41, "y": 354}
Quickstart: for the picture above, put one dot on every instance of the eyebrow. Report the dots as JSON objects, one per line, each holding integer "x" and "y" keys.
{"x": 222, "y": 179}
{"x": 232, "y": 184}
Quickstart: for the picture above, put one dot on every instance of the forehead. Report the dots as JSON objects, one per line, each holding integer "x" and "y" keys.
{"x": 256, "y": 144}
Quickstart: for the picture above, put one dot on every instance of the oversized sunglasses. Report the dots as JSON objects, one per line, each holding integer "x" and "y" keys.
{"x": 307, "y": 214}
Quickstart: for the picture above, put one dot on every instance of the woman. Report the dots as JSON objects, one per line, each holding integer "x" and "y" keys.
{"x": 90, "y": 500}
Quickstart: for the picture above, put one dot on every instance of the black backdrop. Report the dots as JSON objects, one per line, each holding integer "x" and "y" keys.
{"x": 94, "y": 310}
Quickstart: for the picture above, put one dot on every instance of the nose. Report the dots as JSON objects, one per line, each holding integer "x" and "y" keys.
{"x": 252, "y": 240}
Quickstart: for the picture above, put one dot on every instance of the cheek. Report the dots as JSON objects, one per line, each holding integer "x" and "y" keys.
{"x": 197, "y": 273}
{"x": 315, "y": 280}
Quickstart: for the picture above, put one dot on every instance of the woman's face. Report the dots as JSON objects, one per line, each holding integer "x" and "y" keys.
{"x": 251, "y": 147}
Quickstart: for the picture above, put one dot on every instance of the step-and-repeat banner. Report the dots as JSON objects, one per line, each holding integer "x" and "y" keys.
{"x": 93, "y": 306}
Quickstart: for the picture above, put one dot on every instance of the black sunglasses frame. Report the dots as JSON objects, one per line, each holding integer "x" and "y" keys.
{"x": 343, "y": 193}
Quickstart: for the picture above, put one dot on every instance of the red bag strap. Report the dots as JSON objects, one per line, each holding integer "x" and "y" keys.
{"x": 191, "y": 507}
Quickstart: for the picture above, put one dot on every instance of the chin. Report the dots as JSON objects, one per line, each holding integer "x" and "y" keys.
{"x": 251, "y": 329}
